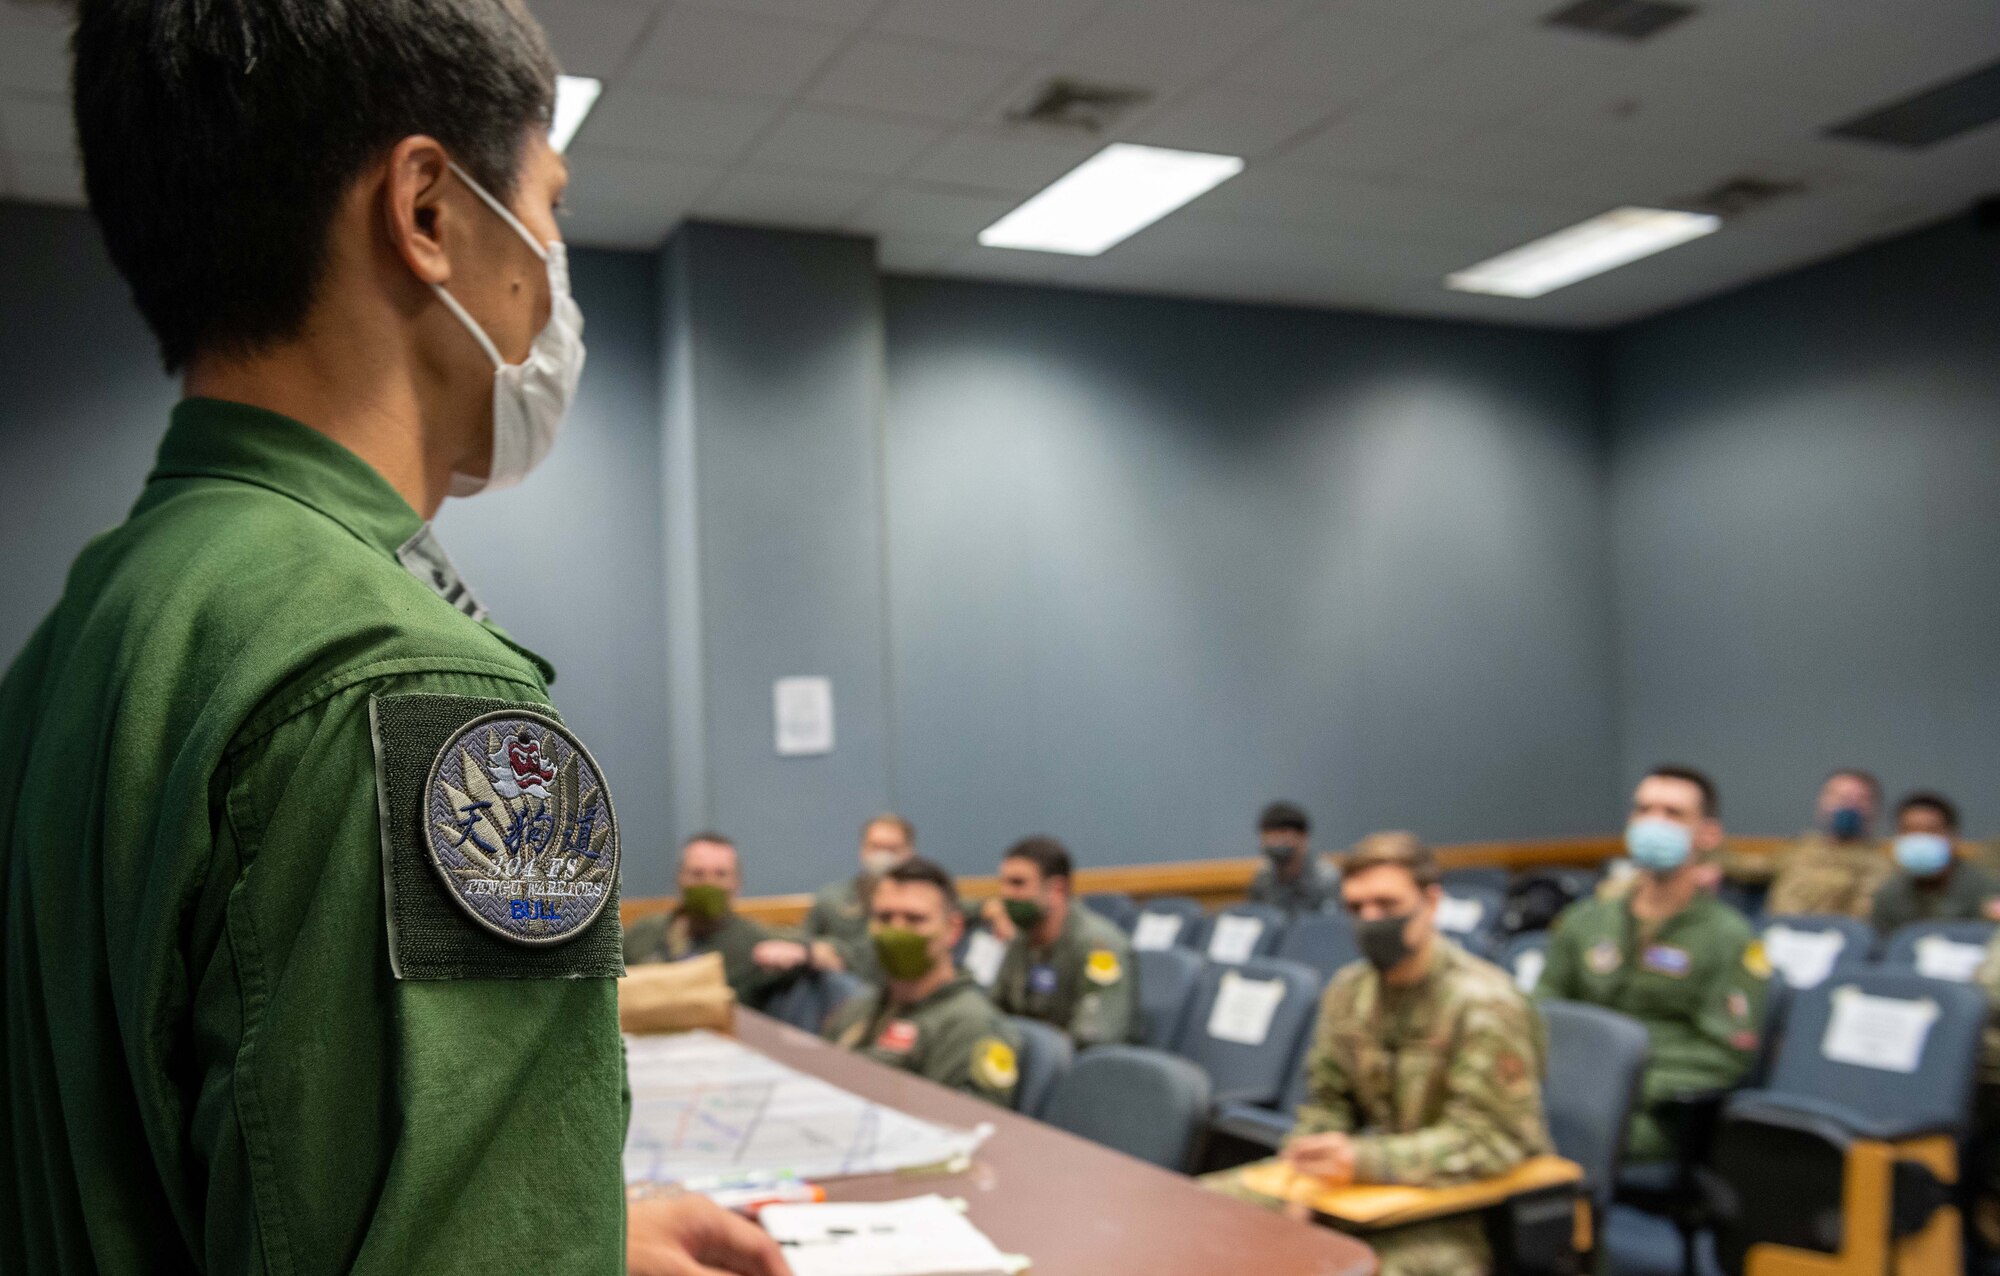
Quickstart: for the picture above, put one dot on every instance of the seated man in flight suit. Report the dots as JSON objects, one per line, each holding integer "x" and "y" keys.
{"x": 1065, "y": 965}
{"x": 1425, "y": 1067}
{"x": 928, "y": 1017}
{"x": 706, "y": 921}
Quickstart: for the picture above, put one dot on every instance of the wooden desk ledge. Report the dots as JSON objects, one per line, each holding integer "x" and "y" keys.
{"x": 1373, "y": 1206}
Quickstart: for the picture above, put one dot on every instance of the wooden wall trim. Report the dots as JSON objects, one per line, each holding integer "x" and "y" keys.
{"x": 1218, "y": 883}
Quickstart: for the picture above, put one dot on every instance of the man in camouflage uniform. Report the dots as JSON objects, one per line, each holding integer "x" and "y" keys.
{"x": 1837, "y": 867}
{"x": 837, "y": 925}
{"x": 1425, "y": 1068}
{"x": 1931, "y": 883}
{"x": 1668, "y": 953}
{"x": 1065, "y": 965}
{"x": 706, "y": 921}
{"x": 928, "y": 1017}
{"x": 1292, "y": 877}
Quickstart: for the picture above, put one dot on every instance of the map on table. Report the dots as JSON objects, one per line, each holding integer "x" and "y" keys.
{"x": 706, "y": 1107}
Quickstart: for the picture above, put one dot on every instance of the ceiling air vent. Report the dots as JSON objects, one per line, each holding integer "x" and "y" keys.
{"x": 1079, "y": 107}
{"x": 1620, "y": 19}
{"x": 1739, "y": 195}
{"x": 1926, "y": 118}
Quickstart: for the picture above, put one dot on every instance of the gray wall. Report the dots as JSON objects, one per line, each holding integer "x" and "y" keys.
{"x": 1806, "y": 508}
{"x": 1155, "y": 562}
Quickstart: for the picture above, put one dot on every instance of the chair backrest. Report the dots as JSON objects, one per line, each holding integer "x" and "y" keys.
{"x": 1167, "y": 977}
{"x": 1145, "y": 1103}
{"x": 1805, "y": 947}
{"x": 1324, "y": 941}
{"x": 1244, "y": 1024}
{"x": 1116, "y": 907}
{"x": 806, "y": 1000}
{"x": 1486, "y": 878}
{"x": 1168, "y": 921}
{"x": 1243, "y": 931}
{"x": 1887, "y": 1042}
{"x": 1941, "y": 950}
{"x": 1470, "y": 914}
{"x": 1597, "y": 1058}
{"x": 1524, "y": 957}
{"x": 1046, "y": 1054}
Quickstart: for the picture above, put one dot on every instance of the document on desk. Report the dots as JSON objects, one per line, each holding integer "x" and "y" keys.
{"x": 923, "y": 1236}
{"x": 707, "y": 1109}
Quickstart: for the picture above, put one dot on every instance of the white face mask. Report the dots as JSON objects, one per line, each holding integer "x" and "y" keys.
{"x": 530, "y": 398}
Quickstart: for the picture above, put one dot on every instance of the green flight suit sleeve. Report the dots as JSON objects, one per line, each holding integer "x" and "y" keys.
{"x": 1107, "y": 1011}
{"x": 1329, "y": 1103}
{"x": 976, "y": 1057}
{"x": 1560, "y": 971}
{"x": 1491, "y": 1120}
{"x": 1726, "y": 1028}
{"x": 352, "y": 1122}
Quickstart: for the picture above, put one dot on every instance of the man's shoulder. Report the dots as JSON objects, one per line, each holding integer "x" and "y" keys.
{"x": 1589, "y": 916}
{"x": 968, "y": 1009}
{"x": 1094, "y": 933}
{"x": 1472, "y": 983}
{"x": 1720, "y": 922}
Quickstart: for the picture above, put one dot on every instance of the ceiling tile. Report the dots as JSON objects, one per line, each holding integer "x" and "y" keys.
{"x": 1018, "y": 161}
{"x": 593, "y": 37}
{"x": 843, "y": 143}
{"x": 939, "y": 214}
{"x": 803, "y": 200}
{"x": 34, "y": 49}
{"x": 1019, "y": 26}
{"x": 1163, "y": 43}
{"x": 602, "y": 179}
{"x": 1375, "y": 140}
{"x": 907, "y": 77}
{"x": 669, "y": 122}
{"x": 1339, "y": 57}
{"x": 913, "y": 254}
{"x": 1494, "y": 78}
{"x": 1228, "y": 121}
{"x": 731, "y": 53}
{"x": 1575, "y": 166}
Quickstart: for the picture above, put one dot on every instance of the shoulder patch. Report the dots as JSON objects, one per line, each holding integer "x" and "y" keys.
{"x": 1756, "y": 960}
{"x": 1603, "y": 957}
{"x": 499, "y": 844}
{"x": 1103, "y": 968}
{"x": 994, "y": 1065}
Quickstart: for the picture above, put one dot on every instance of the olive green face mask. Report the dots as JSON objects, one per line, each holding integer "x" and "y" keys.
{"x": 905, "y": 955}
{"x": 704, "y": 903}
{"x": 1026, "y": 914}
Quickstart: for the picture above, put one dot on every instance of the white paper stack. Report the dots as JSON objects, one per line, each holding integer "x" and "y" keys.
{"x": 922, "y": 1236}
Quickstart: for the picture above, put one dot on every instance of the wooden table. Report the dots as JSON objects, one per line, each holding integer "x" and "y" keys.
{"x": 1074, "y": 1207}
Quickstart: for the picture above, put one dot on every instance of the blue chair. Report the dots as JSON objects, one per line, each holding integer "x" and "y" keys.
{"x": 1167, "y": 977}
{"x": 1941, "y": 950}
{"x": 1470, "y": 915}
{"x": 1183, "y": 931}
{"x": 1523, "y": 957}
{"x": 1847, "y": 1159}
{"x": 1597, "y": 1059}
{"x": 1046, "y": 1054}
{"x": 1267, "y": 1126}
{"x": 1805, "y": 947}
{"x": 1116, "y": 907}
{"x": 1247, "y": 1065}
{"x": 1324, "y": 941}
{"x": 806, "y": 1001}
{"x": 1144, "y": 1103}
{"x": 1242, "y": 931}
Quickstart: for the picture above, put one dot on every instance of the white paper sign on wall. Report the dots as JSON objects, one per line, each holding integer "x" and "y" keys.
{"x": 804, "y": 711}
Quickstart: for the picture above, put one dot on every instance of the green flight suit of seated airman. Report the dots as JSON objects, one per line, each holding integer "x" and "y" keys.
{"x": 674, "y": 936}
{"x": 1697, "y": 982}
{"x": 955, "y": 1037}
{"x": 839, "y": 915}
{"x": 246, "y": 1024}
{"x": 1084, "y": 982}
{"x": 1963, "y": 892}
{"x": 1439, "y": 1082}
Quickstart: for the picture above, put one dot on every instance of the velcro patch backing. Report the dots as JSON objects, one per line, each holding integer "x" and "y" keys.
{"x": 496, "y": 798}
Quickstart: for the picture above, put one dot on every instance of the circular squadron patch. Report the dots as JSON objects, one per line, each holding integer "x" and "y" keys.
{"x": 520, "y": 829}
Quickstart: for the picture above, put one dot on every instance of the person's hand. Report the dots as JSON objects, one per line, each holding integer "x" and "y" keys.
{"x": 780, "y": 954}
{"x": 994, "y": 913}
{"x": 826, "y": 957}
{"x": 1324, "y": 1156}
{"x": 693, "y": 1236}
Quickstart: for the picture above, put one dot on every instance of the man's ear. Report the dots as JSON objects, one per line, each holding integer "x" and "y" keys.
{"x": 1708, "y": 835}
{"x": 414, "y": 208}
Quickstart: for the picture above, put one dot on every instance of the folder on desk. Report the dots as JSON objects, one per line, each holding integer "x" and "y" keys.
{"x": 1374, "y": 1206}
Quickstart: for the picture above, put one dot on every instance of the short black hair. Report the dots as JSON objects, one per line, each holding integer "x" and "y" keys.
{"x": 219, "y": 136}
{"x": 1866, "y": 777}
{"x": 929, "y": 873}
{"x": 1930, "y": 800}
{"x": 1045, "y": 853}
{"x": 1711, "y": 799}
{"x": 1284, "y": 816}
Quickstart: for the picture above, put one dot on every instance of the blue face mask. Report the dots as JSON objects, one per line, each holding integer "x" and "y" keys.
{"x": 1846, "y": 823}
{"x": 1658, "y": 846}
{"x": 1923, "y": 854}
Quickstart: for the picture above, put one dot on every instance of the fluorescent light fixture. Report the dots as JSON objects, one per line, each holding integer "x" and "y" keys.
{"x": 1605, "y": 242}
{"x": 575, "y": 95}
{"x": 1114, "y": 194}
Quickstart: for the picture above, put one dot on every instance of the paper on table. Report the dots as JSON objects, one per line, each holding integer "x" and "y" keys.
{"x": 1884, "y": 1033}
{"x": 983, "y": 954}
{"x": 1234, "y": 940}
{"x": 1243, "y": 1009}
{"x": 1458, "y": 915}
{"x": 1528, "y": 968}
{"x": 1804, "y": 957}
{"x": 1941, "y": 958}
{"x": 1156, "y": 931}
{"x": 922, "y": 1236}
{"x": 707, "y": 1109}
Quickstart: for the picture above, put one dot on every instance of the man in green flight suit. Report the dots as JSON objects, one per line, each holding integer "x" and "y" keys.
{"x": 706, "y": 921}
{"x": 1668, "y": 953}
{"x": 1065, "y": 965}
{"x": 837, "y": 930}
{"x": 1425, "y": 1068}
{"x": 311, "y": 896}
{"x": 928, "y": 1017}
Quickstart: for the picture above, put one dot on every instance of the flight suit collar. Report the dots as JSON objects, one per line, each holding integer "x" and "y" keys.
{"x": 950, "y": 988}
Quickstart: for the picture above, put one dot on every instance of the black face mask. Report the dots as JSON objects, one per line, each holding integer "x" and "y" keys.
{"x": 1278, "y": 854}
{"x": 1381, "y": 941}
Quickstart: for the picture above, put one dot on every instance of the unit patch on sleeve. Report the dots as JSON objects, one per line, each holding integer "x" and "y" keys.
{"x": 499, "y": 845}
